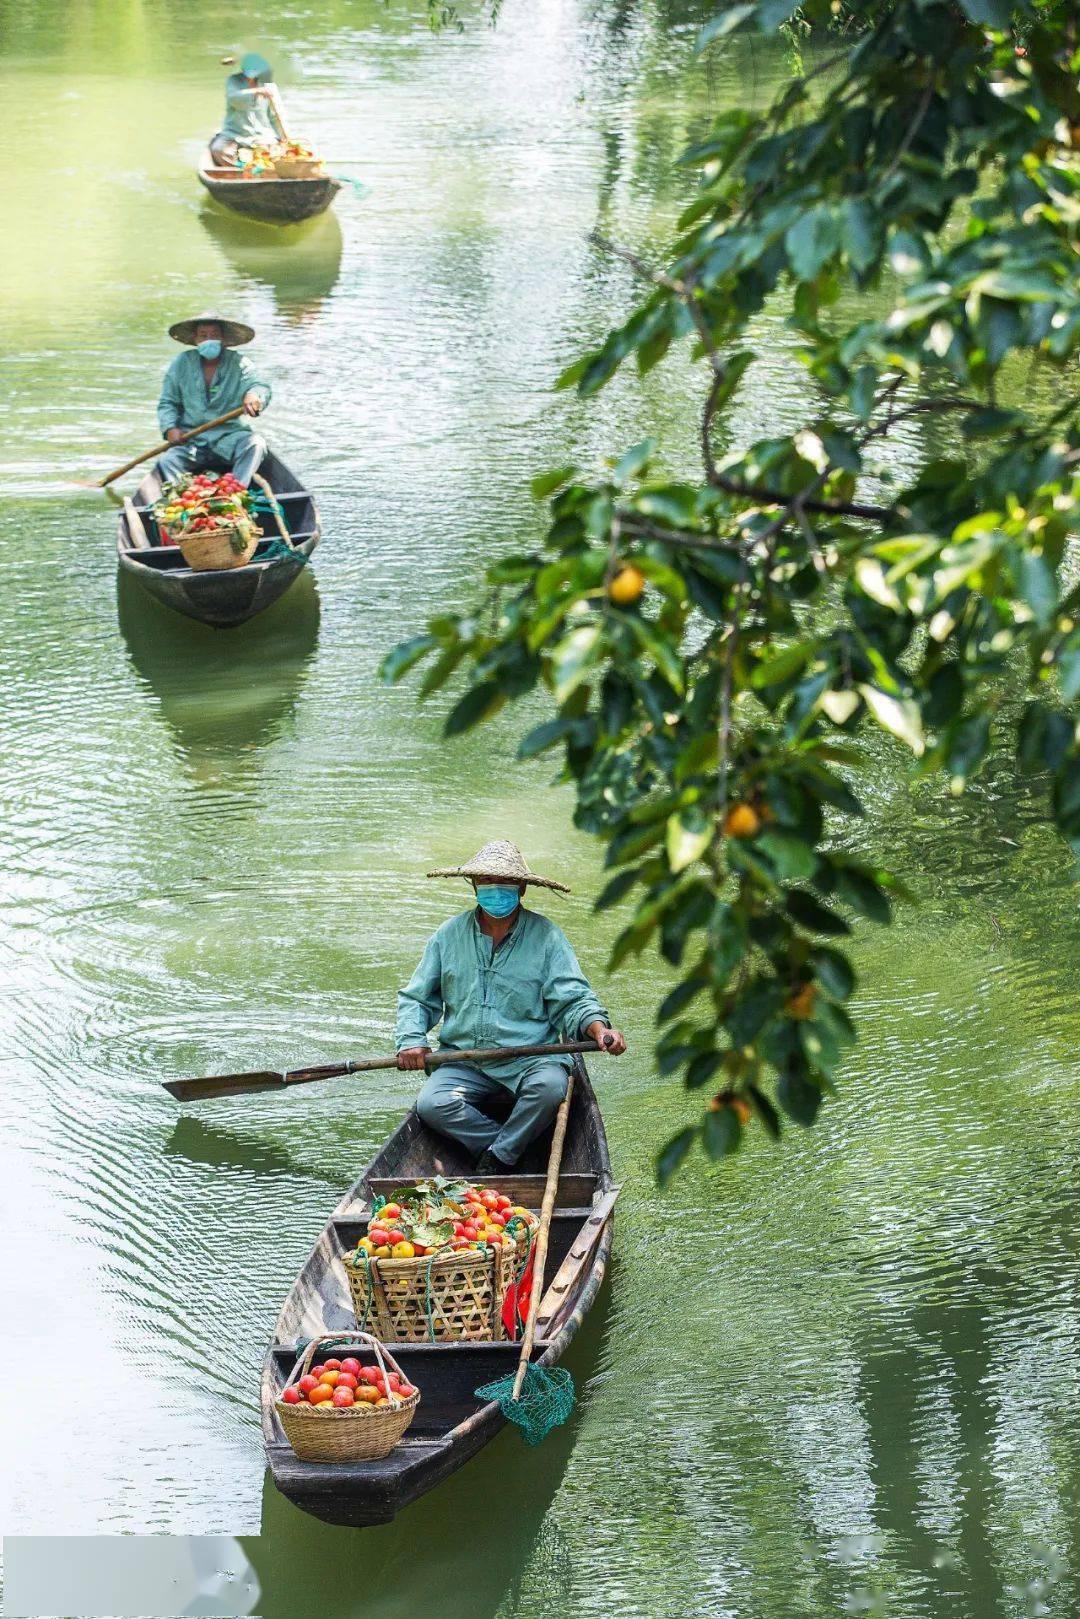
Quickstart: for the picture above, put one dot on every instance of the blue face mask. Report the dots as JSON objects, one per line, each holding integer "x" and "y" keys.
{"x": 497, "y": 899}
{"x": 210, "y": 349}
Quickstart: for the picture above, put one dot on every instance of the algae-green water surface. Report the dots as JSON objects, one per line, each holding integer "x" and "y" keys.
{"x": 839, "y": 1376}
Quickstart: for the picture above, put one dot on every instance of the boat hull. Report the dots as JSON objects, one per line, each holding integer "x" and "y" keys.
{"x": 451, "y": 1424}
{"x": 274, "y": 201}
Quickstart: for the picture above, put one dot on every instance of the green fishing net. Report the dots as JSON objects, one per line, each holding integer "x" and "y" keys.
{"x": 547, "y": 1398}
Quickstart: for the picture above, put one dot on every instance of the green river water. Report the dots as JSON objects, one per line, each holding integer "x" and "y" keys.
{"x": 841, "y": 1376}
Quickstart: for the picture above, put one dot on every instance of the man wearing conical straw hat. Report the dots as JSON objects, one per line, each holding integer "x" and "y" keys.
{"x": 497, "y": 975}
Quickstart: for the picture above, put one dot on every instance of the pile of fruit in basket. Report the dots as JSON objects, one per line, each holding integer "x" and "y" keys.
{"x": 436, "y": 1214}
{"x": 202, "y": 503}
{"x": 337, "y": 1384}
{"x": 263, "y": 160}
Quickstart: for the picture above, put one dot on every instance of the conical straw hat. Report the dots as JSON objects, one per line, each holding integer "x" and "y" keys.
{"x": 233, "y": 332}
{"x": 499, "y": 862}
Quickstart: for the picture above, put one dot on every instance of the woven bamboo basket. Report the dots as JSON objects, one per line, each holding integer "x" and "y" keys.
{"x": 455, "y": 1294}
{"x": 355, "y": 1433}
{"x": 211, "y": 550}
{"x": 299, "y": 168}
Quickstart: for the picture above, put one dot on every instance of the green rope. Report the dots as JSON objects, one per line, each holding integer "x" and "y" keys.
{"x": 428, "y": 1307}
{"x": 362, "y": 1254}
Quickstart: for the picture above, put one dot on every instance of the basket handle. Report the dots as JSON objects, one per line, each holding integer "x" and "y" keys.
{"x": 360, "y": 1339}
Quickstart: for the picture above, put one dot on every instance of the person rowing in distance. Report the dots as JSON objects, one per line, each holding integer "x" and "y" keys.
{"x": 210, "y": 379}
{"x": 497, "y": 975}
{"x": 251, "y": 112}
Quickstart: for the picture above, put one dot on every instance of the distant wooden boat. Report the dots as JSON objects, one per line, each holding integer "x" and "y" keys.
{"x": 273, "y": 200}
{"x": 451, "y": 1424}
{"x": 227, "y": 596}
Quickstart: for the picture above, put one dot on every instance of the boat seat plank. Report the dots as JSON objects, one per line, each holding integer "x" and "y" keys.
{"x": 575, "y": 1190}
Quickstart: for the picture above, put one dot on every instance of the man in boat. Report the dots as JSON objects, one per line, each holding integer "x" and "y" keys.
{"x": 251, "y": 115}
{"x": 209, "y": 379}
{"x": 497, "y": 975}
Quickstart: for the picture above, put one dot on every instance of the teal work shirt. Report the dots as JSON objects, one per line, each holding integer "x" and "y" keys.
{"x": 528, "y": 992}
{"x": 247, "y": 114}
{"x": 185, "y": 401}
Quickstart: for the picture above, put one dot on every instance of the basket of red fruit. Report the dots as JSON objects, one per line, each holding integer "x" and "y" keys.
{"x": 336, "y": 1408}
{"x": 437, "y": 1261}
{"x": 210, "y": 519}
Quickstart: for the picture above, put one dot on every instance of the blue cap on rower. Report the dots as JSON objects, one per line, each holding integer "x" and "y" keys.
{"x": 257, "y": 67}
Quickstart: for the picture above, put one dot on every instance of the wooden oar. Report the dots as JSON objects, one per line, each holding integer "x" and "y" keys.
{"x": 199, "y": 1090}
{"x": 159, "y": 449}
{"x": 541, "y": 1247}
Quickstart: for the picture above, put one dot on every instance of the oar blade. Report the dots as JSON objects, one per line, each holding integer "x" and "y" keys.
{"x": 200, "y": 1090}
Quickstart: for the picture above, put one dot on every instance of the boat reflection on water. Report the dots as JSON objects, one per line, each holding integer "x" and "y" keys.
{"x": 462, "y": 1551}
{"x": 300, "y": 264}
{"x": 222, "y": 693}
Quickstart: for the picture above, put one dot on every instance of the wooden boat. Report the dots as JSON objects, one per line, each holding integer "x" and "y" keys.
{"x": 451, "y": 1424}
{"x": 274, "y": 201}
{"x": 230, "y": 595}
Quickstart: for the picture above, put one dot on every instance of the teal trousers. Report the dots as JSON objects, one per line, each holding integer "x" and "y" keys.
{"x": 452, "y": 1102}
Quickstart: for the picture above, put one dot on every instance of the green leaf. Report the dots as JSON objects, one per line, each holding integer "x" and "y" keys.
{"x": 967, "y": 744}
{"x": 752, "y": 1011}
{"x": 725, "y": 22}
{"x": 765, "y": 1111}
{"x": 441, "y": 670}
{"x": 784, "y": 664}
{"x": 795, "y": 861}
{"x": 702, "y": 1069}
{"x": 990, "y": 422}
{"x": 660, "y": 649}
{"x": 633, "y": 462}
{"x": 727, "y": 940}
{"x": 809, "y": 913}
{"x": 988, "y": 13}
{"x": 812, "y": 240}
{"x": 1038, "y": 587}
{"x": 686, "y": 844}
{"x": 478, "y": 703}
{"x": 680, "y": 997}
{"x": 670, "y": 1157}
{"x": 543, "y": 736}
{"x": 862, "y": 893}
{"x": 399, "y": 661}
{"x": 429, "y": 1233}
{"x": 615, "y": 890}
{"x": 721, "y": 1132}
{"x": 799, "y": 1098}
{"x": 899, "y": 715}
{"x": 573, "y": 658}
{"x": 861, "y": 233}
{"x": 1065, "y": 797}
{"x": 863, "y": 392}
{"x": 834, "y": 972}
{"x": 1068, "y": 662}
{"x": 771, "y": 13}
{"x": 547, "y": 482}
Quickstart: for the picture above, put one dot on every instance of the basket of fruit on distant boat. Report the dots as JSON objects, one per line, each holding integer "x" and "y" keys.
{"x": 284, "y": 160}
{"x": 210, "y": 519}
{"x": 346, "y": 1407}
{"x": 438, "y": 1260}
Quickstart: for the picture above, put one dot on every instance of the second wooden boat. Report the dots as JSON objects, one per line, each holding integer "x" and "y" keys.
{"x": 228, "y": 596}
{"x": 451, "y": 1424}
{"x": 273, "y": 200}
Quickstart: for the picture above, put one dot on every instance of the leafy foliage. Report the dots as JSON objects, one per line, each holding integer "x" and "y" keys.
{"x": 713, "y": 648}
